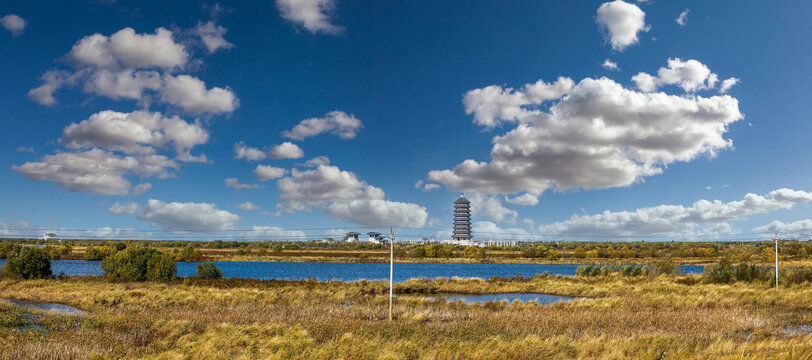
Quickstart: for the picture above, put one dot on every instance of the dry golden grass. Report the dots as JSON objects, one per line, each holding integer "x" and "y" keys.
{"x": 248, "y": 319}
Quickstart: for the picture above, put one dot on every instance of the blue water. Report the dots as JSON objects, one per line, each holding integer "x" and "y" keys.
{"x": 348, "y": 271}
{"x": 58, "y": 308}
{"x": 509, "y": 297}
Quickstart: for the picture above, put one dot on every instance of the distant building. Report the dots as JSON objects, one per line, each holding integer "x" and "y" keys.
{"x": 351, "y": 236}
{"x": 462, "y": 220}
{"x": 50, "y": 236}
{"x": 376, "y": 237}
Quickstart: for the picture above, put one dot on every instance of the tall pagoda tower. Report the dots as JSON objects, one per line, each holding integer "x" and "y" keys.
{"x": 462, "y": 219}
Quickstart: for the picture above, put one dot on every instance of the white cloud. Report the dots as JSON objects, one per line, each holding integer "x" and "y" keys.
{"x": 430, "y": 187}
{"x": 212, "y": 36}
{"x": 187, "y": 216}
{"x": 597, "y": 135}
{"x": 800, "y": 228}
{"x": 486, "y": 230}
{"x": 702, "y": 215}
{"x": 264, "y": 233}
{"x": 138, "y": 132}
{"x": 683, "y": 17}
{"x": 418, "y": 184}
{"x": 190, "y": 94}
{"x": 322, "y": 184}
{"x": 242, "y": 151}
{"x": 128, "y": 84}
{"x": 127, "y": 208}
{"x": 313, "y": 15}
{"x": 526, "y": 199}
{"x": 14, "y": 24}
{"x": 342, "y": 195}
{"x": 610, "y": 65}
{"x": 622, "y": 23}
{"x": 727, "y": 84}
{"x": 378, "y": 212}
{"x": 27, "y": 149}
{"x": 96, "y": 170}
{"x": 491, "y": 207}
{"x": 335, "y": 122}
{"x": 51, "y": 81}
{"x": 128, "y": 65}
{"x": 141, "y": 188}
{"x": 492, "y": 105}
{"x": 316, "y": 161}
{"x": 434, "y": 222}
{"x": 690, "y": 75}
{"x": 265, "y": 172}
{"x": 126, "y": 49}
{"x": 248, "y": 206}
{"x": 234, "y": 183}
{"x": 286, "y": 150}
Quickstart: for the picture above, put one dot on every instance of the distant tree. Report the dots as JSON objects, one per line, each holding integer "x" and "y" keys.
{"x": 207, "y": 270}
{"x": 139, "y": 265}
{"x": 189, "y": 253}
{"x": 29, "y": 263}
{"x": 579, "y": 252}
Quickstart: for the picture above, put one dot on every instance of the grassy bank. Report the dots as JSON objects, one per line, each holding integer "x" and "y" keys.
{"x": 641, "y": 317}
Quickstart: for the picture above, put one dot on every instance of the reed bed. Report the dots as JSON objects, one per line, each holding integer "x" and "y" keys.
{"x": 665, "y": 317}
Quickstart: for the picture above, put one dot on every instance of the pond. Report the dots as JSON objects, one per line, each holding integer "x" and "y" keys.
{"x": 57, "y": 308}
{"x": 349, "y": 271}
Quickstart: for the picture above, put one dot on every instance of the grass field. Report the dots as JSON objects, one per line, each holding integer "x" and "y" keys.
{"x": 641, "y": 317}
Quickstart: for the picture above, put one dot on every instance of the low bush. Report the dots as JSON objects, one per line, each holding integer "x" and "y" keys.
{"x": 139, "y": 265}
{"x": 29, "y": 263}
{"x": 721, "y": 272}
{"x": 598, "y": 270}
{"x": 207, "y": 270}
{"x": 7, "y": 248}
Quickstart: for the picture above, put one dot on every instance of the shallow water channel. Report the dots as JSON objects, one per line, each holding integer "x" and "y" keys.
{"x": 541, "y": 299}
{"x": 30, "y": 319}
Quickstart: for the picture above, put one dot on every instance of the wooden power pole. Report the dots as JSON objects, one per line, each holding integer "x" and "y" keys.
{"x": 391, "y": 269}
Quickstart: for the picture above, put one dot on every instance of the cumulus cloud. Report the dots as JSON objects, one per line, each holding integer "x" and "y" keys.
{"x": 313, "y": 15}
{"x": 622, "y": 22}
{"x": 96, "y": 170}
{"x": 342, "y": 195}
{"x": 190, "y": 94}
{"x": 727, "y": 84}
{"x": 491, "y": 207}
{"x": 702, "y": 215}
{"x": 212, "y": 36}
{"x": 129, "y": 65}
{"x": 27, "y": 149}
{"x": 597, "y": 135}
{"x": 316, "y": 161}
{"x": 126, "y": 49}
{"x": 138, "y": 132}
{"x": 248, "y": 206}
{"x": 235, "y": 184}
{"x": 127, "y": 208}
{"x": 682, "y": 19}
{"x": 265, "y": 233}
{"x": 14, "y": 24}
{"x": 486, "y": 230}
{"x": 525, "y": 199}
{"x": 265, "y": 172}
{"x": 242, "y": 151}
{"x": 430, "y": 187}
{"x": 187, "y": 217}
{"x": 286, "y": 150}
{"x": 141, "y": 188}
{"x": 378, "y": 212}
{"x": 610, "y": 65}
{"x": 800, "y": 228}
{"x": 335, "y": 122}
{"x": 690, "y": 75}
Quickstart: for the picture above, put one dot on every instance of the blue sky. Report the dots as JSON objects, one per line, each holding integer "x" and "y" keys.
{"x": 98, "y": 99}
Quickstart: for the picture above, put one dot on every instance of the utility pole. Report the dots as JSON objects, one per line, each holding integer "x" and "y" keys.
{"x": 776, "y": 260}
{"x": 391, "y": 269}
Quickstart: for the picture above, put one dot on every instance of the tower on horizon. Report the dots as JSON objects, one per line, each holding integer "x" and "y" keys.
{"x": 462, "y": 219}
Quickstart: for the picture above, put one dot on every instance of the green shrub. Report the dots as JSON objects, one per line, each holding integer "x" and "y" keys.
{"x": 663, "y": 267}
{"x": 139, "y": 265}
{"x": 207, "y": 270}
{"x": 97, "y": 253}
{"x": 189, "y": 253}
{"x": 720, "y": 273}
{"x": 6, "y": 248}
{"x": 29, "y": 263}
{"x": 748, "y": 272}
